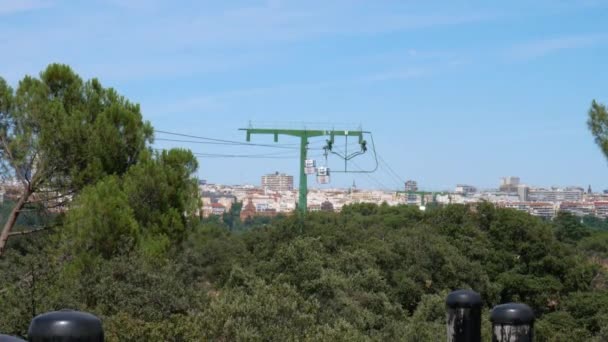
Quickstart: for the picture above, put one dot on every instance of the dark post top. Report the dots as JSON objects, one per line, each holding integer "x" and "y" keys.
{"x": 71, "y": 324}
{"x": 512, "y": 314}
{"x": 463, "y": 299}
{"x": 7, "y": 338}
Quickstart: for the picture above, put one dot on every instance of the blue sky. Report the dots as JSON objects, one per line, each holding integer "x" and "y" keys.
{"x": 453, "y": 91}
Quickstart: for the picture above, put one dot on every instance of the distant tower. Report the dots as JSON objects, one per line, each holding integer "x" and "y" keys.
{"x": 327, "y": 206}
{"x": 411, "y": 186}
{"x": 589, "y": 190}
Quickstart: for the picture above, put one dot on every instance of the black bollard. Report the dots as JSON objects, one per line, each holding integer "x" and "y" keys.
{"x": 463, "y": 316}
{"x": 65, "y": 326}
{"x": 512, "y": 322}
{"x": 7, "y": 338}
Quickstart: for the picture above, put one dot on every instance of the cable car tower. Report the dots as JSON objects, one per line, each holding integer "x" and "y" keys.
{"x": 308, "y": 166}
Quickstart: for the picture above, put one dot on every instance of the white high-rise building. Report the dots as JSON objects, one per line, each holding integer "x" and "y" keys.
{"x": 277, "y": 182}
{"x": 571, "y": 194}
{"x": 464, "y": 189}
{"x": 509, "y": 184}
{"x": 411, "y": 186}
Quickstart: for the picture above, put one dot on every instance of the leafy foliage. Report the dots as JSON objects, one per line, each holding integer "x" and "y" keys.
{"x": 597, "y": 123}
{"x": 59, "y": 134}
{"x": 368, "y": 273}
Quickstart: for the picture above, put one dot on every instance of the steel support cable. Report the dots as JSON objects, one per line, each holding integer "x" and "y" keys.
{"x": 228, "y": 142}
{"x": 361, "y": 170}
{"x": 373, "y": 179}
{"x": 276, "y": 154}
{"x": 396, "y": 175}
{"x": 216, "y": 143}
{"x": 273, "y": 155}
{"x": 385, "y": 168}
{"x": 230, "y": 154}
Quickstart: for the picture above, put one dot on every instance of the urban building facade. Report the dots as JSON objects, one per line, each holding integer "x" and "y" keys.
{"x": 277, "y": 182}
{"x": 263, "y": 201}
{"x": 556, "y": 195}
{"x": 509, "y": 184}
{"x": 411, "y": 186}
{"x": 465, "y": 189}
{"x": 523, "y": 192}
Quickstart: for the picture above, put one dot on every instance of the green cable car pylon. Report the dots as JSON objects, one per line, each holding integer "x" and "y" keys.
{"x": 304, "y": 135}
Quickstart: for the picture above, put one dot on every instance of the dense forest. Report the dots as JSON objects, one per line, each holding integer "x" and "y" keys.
{"x": 367, "y": 273}
{"x": 103, "y": 223}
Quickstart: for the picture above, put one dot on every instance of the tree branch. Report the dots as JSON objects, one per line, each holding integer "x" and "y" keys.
{"x": 41, "y": 197}
{"x": 12, "y": 161}
{"x": 27, "y": 232}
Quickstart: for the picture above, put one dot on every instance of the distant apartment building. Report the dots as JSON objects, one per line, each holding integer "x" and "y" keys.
{"x": 249, "y": 211}
{"x": 577, "y": 208}
{"x": 277, "y": 182}
{"x": 314, "y": 207}
{"x": 601, "y": 209}
{"x": 523, "y": 192}
{"x": 214, "y": 208}
{"x": 217, "y": 209}
{"x": 521, "y": 206}
{"x": 411, "y": 186}
{"x": 556, "y": 195}
{"x": 542, "y": 209}
{"x": 464, "y": 189}
{"x": 509, "y": 184}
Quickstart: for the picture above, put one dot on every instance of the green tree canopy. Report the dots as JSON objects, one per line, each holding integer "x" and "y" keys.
{"x": 59, "y": 133}
{"x": 598, "y": 125}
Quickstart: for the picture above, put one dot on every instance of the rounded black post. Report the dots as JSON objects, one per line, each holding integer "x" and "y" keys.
{"x": 463, "y": 316}
{"x": 66, "y": 325}
{"x": 7, "y": 338}
{"x": 512, "y": 322}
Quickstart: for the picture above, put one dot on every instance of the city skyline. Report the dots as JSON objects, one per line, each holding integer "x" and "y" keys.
{"x": 454, "y": 188}
{"x": 453, "y": 92}
{"x": 218, "y": 199}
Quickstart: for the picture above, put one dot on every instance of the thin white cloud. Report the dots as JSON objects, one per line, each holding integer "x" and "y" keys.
{"x": 223, "y": 99}
{"x": 138, "y": 5}
{"x": 264, "y": 24}
{"x": 8, "y": 7}
{"x": 400, "y": 74}
{"x": 539, "y": 48}
{"x": 178, "y": 41}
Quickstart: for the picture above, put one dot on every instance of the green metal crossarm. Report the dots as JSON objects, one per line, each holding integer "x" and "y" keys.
{"x": 303, "y": 133}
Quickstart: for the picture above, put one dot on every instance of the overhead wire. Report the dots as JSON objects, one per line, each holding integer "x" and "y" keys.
{"x": 370, "y": 177}
{"x": 199, "y": 142}
{"x": 385, "y": 168}
{"x": 211, "y": 155}
{"x": 273, "y": 155}
{"x": 228, "y": 142}
{"x": 395, "y": 174}
{"x": 367, "y": 174}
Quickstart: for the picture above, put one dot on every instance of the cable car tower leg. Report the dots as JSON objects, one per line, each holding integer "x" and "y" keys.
{"x": 302, "y": 201}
